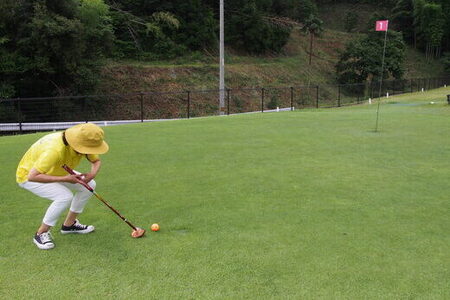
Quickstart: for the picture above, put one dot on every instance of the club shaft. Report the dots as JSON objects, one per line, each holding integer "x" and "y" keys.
{"x": 88, "y": 187}
{"x": 114, "y": 210}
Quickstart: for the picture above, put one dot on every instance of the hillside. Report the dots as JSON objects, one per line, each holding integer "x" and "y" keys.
{"x": 291, "y": 67}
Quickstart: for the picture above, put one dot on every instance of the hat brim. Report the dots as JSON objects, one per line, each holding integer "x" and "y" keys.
{"x": 103, "y": 148}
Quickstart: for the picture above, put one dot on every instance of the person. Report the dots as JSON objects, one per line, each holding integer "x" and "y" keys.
{"x": 40, "y": 172}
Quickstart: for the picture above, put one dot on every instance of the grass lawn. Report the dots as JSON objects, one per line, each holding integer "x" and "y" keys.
{"x": 292, "y": 205}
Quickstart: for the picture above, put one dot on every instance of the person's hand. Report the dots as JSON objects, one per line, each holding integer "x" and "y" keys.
{"x": 72, "y": 178}
{"x": 86, "y": 177}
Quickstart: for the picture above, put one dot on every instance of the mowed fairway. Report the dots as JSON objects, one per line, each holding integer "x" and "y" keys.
{"x": 292, "y": 205}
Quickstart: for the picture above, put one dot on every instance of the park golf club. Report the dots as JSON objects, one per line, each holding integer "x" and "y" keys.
{"x": 137, "y": 232}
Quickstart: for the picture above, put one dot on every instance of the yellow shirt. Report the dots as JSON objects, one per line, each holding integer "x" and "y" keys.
{"x": 48, "y": 155}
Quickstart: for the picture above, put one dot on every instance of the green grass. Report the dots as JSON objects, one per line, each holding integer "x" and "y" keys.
{"x": 295, "y": 205}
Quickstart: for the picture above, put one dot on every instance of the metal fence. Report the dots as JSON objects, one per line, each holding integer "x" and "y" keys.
{"x": 50, "y": 113}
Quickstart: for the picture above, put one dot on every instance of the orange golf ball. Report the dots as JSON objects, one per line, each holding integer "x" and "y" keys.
{"x": 154, "y": 227}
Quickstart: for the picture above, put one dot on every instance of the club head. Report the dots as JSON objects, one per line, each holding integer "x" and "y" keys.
{"x": 139, "y": 232}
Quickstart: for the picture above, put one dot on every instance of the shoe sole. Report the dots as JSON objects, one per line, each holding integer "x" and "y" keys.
{"x": 85, "y": 231}
{"x": 44, "y": 247}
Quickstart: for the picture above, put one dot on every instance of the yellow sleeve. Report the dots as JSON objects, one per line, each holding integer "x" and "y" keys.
{"x": 46, "y": 161}
{"x": 92, "y": 157}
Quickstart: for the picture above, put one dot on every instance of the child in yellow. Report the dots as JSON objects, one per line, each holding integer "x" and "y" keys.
{"x": 40, "y": 171}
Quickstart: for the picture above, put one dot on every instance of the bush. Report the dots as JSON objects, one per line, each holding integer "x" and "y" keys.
{"x": 446, "y": 62}
{"x": 250, "y": 32}
{"x": 45, "y": 45}
{"x": 351, "y": 20}
{"x": 362, "y": 57}
{"x": 273, "y": 103}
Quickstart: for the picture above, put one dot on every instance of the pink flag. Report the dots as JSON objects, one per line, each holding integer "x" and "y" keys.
{"x": 382, "y": 25}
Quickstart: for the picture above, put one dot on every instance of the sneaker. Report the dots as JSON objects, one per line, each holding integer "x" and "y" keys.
{"x": 43, "y": 241}
{"x": 77, "y": 227}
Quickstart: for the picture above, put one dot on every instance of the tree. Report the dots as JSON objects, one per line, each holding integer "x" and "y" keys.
{"x": 312, "y": 25}
{"x": 429, "y": 25}
{"x": 351, "y": 20}
{"x": 51, "y": 47}
{"x": 144, "y": 33}
{"x": 198, "y": 27}
{"x": 249, "y": 31}
{"x": 446, "y": 62}
{"x": 424, "y": 23}
{"x": 297, "y": 10}
{"x": 304, "y": 9}
{"x": 445, "y": 4}
{"x": 403, "y": 19}
{"x": 432, "y": 22}
{"x": 97, "y": 27}
{"x": 362, "y": 58}
{"x": 187, "y": 25}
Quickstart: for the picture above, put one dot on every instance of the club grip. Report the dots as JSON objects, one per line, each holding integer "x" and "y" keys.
{"x": 71, "y": 172}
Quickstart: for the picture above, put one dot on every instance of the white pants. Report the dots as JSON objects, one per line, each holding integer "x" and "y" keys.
{"x": 63, "y": 195}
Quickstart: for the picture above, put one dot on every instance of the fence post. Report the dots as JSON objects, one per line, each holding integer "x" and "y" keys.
{"x": 411, "y": 81}
{"x": 19, "y": 114}
{"x": 142, "y": 107}
{"x": 303, "y": 97}
{"x": 317, "y": 96}
{"x": 371, "y": 89}
{"x": 188, "y": 104}
{"x": 262, "y": 99}
{"x": 228, "y": 101}
{"x": 84, "y": 109}
{"x": 339, "y": 95}
{"x": 292, "y": 98}
{"x": 357, "y": 96}
{"x": 53, "y": 111}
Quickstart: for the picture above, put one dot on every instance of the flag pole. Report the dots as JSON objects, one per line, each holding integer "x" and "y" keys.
{"x": 381, "y": 80}
{"x": 222, "y": 61}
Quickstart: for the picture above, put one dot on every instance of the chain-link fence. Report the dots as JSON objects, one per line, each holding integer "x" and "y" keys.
{"x": 50, "y": 113}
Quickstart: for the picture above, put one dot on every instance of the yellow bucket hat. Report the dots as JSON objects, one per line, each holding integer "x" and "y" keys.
{"x": 87, "y": 138}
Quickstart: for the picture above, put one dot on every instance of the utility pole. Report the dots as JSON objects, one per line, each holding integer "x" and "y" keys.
{"x": 222, "y": 63}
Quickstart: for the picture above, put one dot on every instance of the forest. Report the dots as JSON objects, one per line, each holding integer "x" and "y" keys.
{"x": 54, "y": 47}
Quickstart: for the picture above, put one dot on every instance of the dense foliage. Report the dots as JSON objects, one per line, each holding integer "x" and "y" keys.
{"x": 51, "y": 45}
{"x": 446, "y": 62}
{"x": 425, "y": 24}
{"x": 362, "y": 58}
{"x": 56, "y": 46}
{"x": 250, "y": 25}
{"x": 249, "y": 31}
